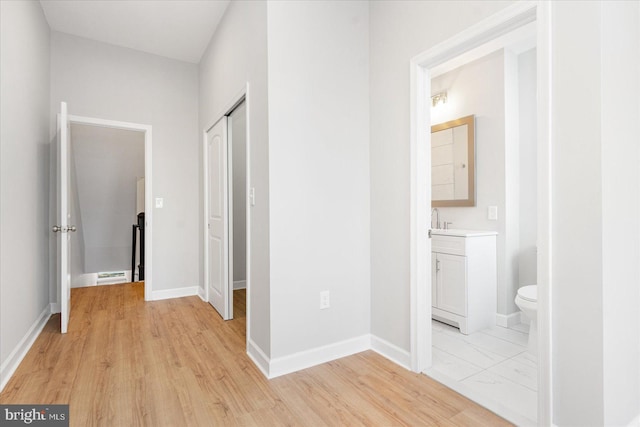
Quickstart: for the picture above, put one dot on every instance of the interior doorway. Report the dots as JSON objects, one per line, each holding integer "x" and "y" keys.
{"x": 107, "y": 201}
{"x": 97, "y": 146}
{"x": 482, "y": 36}
{"x": 479, "y": 338}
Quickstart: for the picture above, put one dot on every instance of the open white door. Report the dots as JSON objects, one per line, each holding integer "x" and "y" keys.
{"x": 63, "y": 227}
{"x": 218, "y": 218}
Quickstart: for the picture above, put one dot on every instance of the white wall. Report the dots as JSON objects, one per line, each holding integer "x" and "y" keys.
{"x": 577, "y": 218}
{"x": 239, "y": 153}
{"x": 108, "y": 163}
{"x": 108, "y": 82}
{"x": 24, "y": 172}
{"x": 595, "y": 212}
{"x": 528, "y": 168}
{"x": 237, "y": 55}
{"x": 620, "y": 137}
{"x": 400, "y": 30}
{"x": 318, "y": 172}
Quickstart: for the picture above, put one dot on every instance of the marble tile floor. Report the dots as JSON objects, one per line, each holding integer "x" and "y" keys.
{"x": 491, "y": 366}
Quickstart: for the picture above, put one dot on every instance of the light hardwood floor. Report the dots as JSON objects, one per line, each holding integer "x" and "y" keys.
{"x": 126, "y": 362}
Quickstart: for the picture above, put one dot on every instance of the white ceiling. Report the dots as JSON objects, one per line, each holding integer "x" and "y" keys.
{"x": 177, "y": 29}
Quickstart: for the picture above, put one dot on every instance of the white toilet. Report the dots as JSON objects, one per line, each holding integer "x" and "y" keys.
{"x": 527, "y": 301}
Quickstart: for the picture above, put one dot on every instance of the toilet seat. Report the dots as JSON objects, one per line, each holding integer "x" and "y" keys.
{"x": 529, "y": 293}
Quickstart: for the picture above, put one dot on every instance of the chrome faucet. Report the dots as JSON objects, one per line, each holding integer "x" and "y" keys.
{"x": 437, "y": 217}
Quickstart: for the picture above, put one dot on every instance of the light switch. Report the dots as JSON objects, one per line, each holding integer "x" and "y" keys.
{"x": 159, "y": 202}
{"x": 492, "y": 213}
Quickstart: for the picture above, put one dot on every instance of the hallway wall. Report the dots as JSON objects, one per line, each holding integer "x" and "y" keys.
{"x": 318, "y": 173}
{"x": 24, "y": 175}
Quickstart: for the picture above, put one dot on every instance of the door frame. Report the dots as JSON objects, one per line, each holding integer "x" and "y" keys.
{"x": 241, "y": 96}
{"x": 148, "y": 193}
{"x": 501, "y": 23}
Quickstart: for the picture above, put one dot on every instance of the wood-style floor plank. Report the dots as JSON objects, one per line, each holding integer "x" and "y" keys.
{"x": 127, "y": 362}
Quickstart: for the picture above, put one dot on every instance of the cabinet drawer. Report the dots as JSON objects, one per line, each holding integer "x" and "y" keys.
{"x": 448, "y": 245}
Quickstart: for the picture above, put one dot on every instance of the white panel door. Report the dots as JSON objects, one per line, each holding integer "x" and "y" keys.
{"x": 218, "y": 218}
{"x": 63, "y": 226}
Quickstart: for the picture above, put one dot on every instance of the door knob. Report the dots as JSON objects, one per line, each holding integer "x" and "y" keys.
{"x": 72, "y": 228}
{"x": 56, "y": 229}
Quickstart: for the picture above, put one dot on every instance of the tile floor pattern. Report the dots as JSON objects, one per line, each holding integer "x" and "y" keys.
{"x": 493, "y": 362}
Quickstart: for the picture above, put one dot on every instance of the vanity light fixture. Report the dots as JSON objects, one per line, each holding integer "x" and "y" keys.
{"x": 439, "y": 98}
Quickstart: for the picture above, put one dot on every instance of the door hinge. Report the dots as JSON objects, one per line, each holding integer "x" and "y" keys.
{"x": 429, "y": 233}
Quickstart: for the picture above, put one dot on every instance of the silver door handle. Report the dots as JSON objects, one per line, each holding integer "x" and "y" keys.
{"x": 56, "y": 229}
{"x": 72, "y": 228}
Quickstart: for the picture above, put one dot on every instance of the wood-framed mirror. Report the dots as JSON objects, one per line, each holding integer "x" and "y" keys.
{"x": 453, "y": 163}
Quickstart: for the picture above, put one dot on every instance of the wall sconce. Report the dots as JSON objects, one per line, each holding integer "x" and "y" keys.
{"x": 439, "y": 98}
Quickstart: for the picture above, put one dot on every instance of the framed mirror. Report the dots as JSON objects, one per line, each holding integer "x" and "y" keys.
{"x": 453, "y": 158}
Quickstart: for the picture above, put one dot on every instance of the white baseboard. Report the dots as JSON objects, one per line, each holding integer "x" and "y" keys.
{"x": 391, "y": 351}
{"x": 174, "y": 293}
{"x": 272, "y": 368}
{"x": 239, "y": 284}
{"x": 508, "y": 320}
{"x": 15, "y": 357}
{"x": 260, "y": 359}
{"x": 308, "y": 358}
{"x": 54, "y": 307}
{"x": 201, "y": 294}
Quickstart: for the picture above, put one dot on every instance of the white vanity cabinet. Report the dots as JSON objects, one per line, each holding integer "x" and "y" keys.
{"x": 464, "y": 278}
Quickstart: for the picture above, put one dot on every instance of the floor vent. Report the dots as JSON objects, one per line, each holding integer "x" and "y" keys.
{"x": 110, "y": 277}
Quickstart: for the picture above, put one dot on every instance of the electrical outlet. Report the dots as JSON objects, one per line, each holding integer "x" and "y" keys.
{"x": 325, "y": 301}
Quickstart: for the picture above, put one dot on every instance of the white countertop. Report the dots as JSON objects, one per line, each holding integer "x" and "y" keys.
{"x": 462, "y": 233}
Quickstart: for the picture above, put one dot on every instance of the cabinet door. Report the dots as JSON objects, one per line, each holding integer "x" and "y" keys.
{"x": 434, "y": 279}
{"x": 452, "y": 283}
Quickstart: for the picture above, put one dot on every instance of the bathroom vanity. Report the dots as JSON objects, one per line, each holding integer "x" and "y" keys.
{"x": 464, "y": 278}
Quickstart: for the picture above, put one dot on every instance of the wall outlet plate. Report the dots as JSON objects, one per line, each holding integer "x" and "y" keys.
{"x": 325, "y": 301}
{"x": 159, "y": 202}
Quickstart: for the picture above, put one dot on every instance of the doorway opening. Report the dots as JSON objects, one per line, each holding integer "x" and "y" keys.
{"x": 485, "y": 38}
{"x": 98, "y": 147}
{"x": 107, "y": 201}
{"x": 237, "y": 123}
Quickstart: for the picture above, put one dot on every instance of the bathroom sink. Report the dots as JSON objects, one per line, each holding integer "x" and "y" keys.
{"x": 462, "y": 233}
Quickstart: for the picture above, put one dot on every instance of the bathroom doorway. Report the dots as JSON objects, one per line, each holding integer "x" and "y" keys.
{"x": 439, "y": 349}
